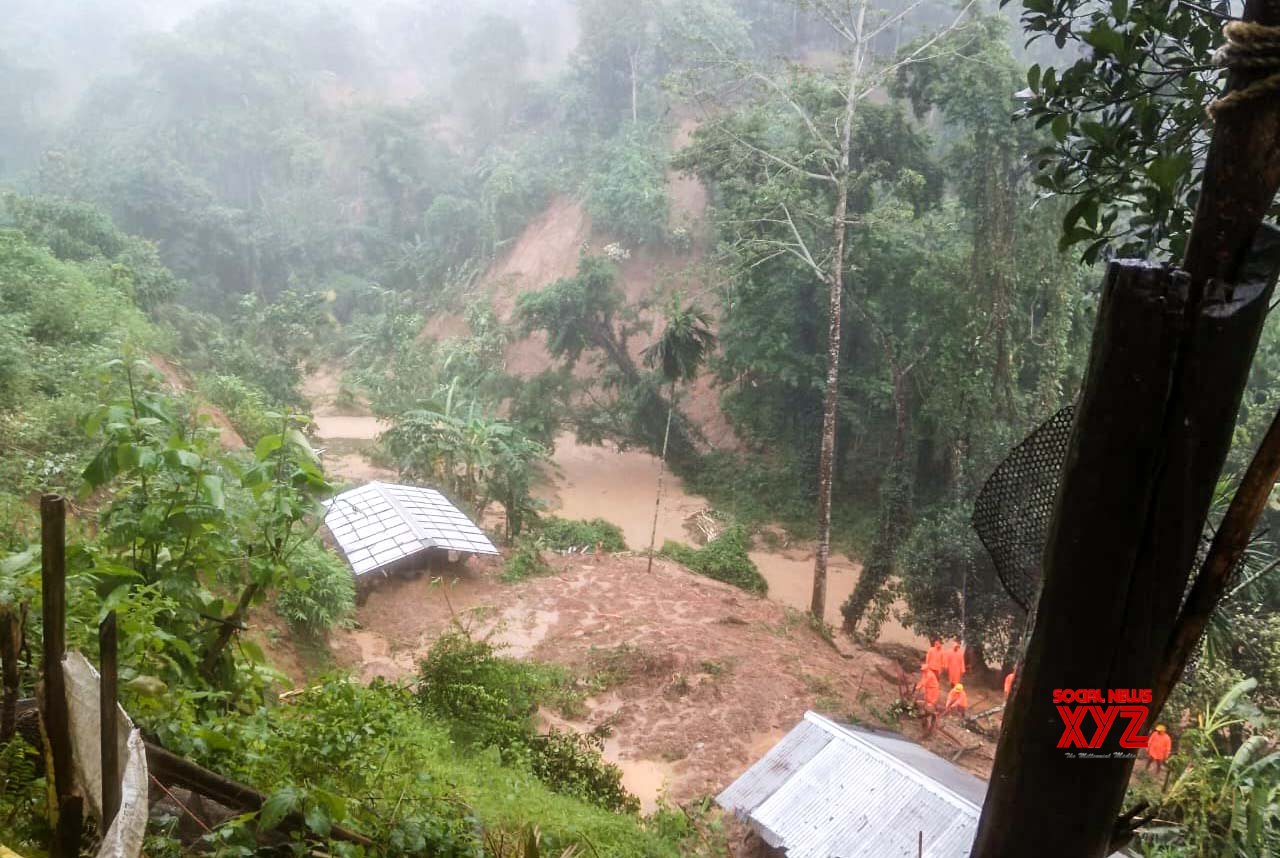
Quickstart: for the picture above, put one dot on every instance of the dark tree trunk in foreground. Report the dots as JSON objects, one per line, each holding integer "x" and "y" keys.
{"x": 1169, "y": 362}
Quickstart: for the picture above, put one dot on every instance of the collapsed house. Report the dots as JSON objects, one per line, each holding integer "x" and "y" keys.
{"x": 829, "y": 790}
{"x": 389, "y": 528}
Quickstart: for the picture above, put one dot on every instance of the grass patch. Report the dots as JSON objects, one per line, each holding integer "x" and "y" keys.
{"x": 447, "y": 797}
{"x": 613, "y": 666}
{"x": 723, "y": 558}
{"x": 715, "y": 668}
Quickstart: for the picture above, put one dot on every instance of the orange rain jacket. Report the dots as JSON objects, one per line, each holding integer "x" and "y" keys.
{"x": 955, "y": 664}
{"x": 1159, "y": 745}
{"x": 957, "y": 699}
{"x": 928, "y": 687}
{"x": 934, "y": 660}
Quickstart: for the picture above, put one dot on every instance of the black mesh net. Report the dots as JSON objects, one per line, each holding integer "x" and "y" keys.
{"x": 1011, "y": 514}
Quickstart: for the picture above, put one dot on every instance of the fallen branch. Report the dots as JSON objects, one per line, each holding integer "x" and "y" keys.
{"x": 1228, "y": 546}
{"x": 171, "y": 769}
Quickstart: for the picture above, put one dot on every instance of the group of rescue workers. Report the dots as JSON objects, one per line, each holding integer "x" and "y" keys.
{"x": 929, "y": 692}
{"x": 929, "y": 687}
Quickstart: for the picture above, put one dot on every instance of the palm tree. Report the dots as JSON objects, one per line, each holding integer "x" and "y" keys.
{"x": 677, "y": 355}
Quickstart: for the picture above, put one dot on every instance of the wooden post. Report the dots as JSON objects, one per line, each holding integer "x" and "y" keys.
{"x": 66, "y": 834}
{"x": 57, "y": 724}
{"x": 10, "y": 646}
{"x": 110, "y": 722}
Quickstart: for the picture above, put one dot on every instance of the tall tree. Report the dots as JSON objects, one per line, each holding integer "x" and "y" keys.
{"x": 678, "y": 354}
{"x": 817, "y": 150}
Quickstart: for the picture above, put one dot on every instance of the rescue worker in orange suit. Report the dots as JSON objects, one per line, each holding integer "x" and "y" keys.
{"x": 927, "y": 691}
{"x": 1159, "y": 746}
{"x": 955, "y": 664}
{"x": 957, "y": 701}
{"x": 935, "y": 659}
{"x": 1008, "y": 684}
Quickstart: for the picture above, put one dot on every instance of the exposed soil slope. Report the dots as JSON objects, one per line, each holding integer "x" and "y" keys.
{"x": 181, "y": 382}
{"x": 699, "y": 677}
{"x": 548, "y": 250}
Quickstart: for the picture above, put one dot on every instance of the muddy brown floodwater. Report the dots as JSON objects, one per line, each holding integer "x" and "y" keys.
{"x": 620, "y": 486}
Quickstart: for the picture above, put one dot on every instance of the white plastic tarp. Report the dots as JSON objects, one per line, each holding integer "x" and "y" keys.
{"x": 124, "y": 838}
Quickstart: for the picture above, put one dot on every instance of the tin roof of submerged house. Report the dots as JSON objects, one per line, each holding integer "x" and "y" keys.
{"x": 379, "y": 524}
{"x": 829, "y": 790}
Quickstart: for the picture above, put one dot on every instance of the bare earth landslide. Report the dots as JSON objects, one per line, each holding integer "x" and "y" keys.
{"x": 711, "y": 676}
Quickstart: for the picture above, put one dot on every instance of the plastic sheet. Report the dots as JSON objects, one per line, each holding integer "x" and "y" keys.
{"x": 124, "y": 838}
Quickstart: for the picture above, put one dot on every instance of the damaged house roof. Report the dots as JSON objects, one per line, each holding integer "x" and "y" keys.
{"x": 828, "y": 790}
{"x": 379, "y": 524}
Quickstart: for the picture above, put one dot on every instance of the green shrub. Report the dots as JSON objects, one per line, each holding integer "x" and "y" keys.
{"x": 244, "y": 404}
{"x": 562, "y": 534}
{"x": 525, "y": 561}
{"x": 626, "y": 191}
{"x": 490, "y": 701}
{"x": 319, "y": 592}
{"x": 723, "y": 558}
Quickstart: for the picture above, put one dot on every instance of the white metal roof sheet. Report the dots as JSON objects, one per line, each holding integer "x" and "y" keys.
{"x": 379, "y": 523}
{"x": 831, "y": 791}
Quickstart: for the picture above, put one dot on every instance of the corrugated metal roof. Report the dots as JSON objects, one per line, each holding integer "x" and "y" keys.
{"x": 832, "y": 791}
{"x": 381, "y": 523}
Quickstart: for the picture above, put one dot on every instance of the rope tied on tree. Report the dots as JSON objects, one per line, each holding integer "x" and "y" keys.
{"x": 1249, "y": 46}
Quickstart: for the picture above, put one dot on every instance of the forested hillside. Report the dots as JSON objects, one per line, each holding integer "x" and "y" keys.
{"x": 815, "y": 267}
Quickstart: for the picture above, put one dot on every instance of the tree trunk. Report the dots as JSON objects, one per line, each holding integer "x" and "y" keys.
{"x": 826, "y": 458}
{"x": 830, "y": 402}
{"x": 634, "y": 57}
{"x": 895, "y": 510}
{"x": 662, "y": 466}
{"x": 1150, "y": 437}
{"x": 227, "y": 628}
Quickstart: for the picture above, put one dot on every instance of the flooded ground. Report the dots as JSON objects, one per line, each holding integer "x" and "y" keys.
{"x": 620, "y": 486}
{"x": 339, "y": 426}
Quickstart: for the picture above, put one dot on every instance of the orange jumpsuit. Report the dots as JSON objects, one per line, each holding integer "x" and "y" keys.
{"x": 955, "y": 664}
{"x": 1008, "y": 684}
{"x": 1159, "y": 745}
{"x": 934, "y": 659}
{"x": 929, "y": 688}
{"x": 958, "y": 700}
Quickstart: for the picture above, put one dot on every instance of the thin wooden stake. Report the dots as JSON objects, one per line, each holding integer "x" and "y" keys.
{"x": 57, "y": 724}
{"x": 107, "y": 635}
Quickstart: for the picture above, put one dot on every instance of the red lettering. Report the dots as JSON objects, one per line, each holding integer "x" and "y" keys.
{"x": 1105, "y": 717}
{"x": 1137, "y": 716}
{"x": 1072, "y": 717}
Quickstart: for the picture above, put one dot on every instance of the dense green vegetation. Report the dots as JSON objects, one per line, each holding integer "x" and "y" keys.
{"x": 723, "y": 558}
